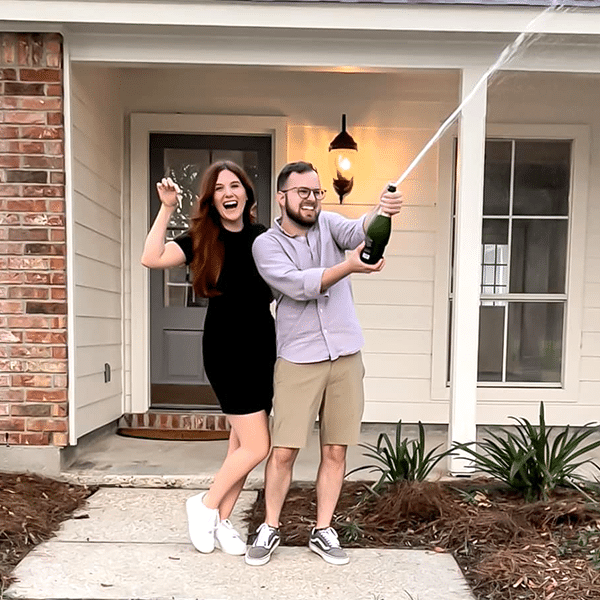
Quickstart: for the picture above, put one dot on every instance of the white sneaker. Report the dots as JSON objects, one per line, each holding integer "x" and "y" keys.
{"x": 228, "y": 539}
{"x": 202, "y": 522}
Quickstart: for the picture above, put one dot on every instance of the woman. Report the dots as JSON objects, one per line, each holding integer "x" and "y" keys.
{"x": 239, "y": 333}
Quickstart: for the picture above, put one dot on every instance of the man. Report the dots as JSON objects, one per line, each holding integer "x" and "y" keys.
{"x": 319, "y": 369}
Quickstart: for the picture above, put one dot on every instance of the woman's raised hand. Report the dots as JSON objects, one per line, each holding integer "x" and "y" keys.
{"x": 168, "y": 192}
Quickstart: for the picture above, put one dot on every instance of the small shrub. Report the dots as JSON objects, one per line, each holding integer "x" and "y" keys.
{"x": 528, "y": 461}
{"x": 350, "y": 530}
{"x": 403, "y": 461}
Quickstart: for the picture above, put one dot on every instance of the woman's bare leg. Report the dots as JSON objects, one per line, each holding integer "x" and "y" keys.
{"x": 252, "y": 436}
{"x": 228, "y": 502}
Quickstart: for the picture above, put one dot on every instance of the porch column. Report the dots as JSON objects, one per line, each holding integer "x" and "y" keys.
{"x": 467, "y": 267}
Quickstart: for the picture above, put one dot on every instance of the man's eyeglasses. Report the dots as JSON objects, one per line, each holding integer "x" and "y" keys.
{"x": 304, "y": 192}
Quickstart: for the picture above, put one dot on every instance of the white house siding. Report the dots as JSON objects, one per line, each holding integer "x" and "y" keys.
{"x": 391, "y": 116}
{"x": 562, "y": 99}
{"x": 97, "y": 135}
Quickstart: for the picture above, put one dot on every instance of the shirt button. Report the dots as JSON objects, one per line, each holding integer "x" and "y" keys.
{"x": 324, "y": 330}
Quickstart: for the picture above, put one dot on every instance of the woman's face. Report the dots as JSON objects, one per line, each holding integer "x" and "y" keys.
{"x": 230, "y": 199}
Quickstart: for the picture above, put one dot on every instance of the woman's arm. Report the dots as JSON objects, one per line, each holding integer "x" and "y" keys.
{"x": 157, "y": 254}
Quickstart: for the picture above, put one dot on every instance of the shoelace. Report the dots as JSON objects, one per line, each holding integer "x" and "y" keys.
{"x": 330, "y": 536}
{"x": 228, "y": 525}
{"x": 264, "y": 533}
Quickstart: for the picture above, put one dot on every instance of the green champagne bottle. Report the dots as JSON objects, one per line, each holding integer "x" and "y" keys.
{"x": 377, "y": 236}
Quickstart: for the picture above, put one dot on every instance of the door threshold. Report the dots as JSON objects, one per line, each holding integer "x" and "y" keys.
{"x": 186, "y": 408}
{"x": 203, "y": 420}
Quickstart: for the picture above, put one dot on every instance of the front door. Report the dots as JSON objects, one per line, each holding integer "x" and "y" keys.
{"x": 176, "y": 313}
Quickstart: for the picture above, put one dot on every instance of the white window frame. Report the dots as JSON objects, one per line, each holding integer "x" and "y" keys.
{"x": 487, "y": 392}
{"x": 142, "y": 124}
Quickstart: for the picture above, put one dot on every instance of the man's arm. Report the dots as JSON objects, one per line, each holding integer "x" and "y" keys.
{"x": 280, "y": 272}
{"x": 349, "y": 233}
{"x": 352, "y": 264}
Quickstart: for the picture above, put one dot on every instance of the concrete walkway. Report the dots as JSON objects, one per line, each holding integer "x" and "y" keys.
{"x": 132, "y": 543}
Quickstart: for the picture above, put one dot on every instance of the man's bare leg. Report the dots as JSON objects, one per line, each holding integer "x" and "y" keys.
{"x": 278, "y": 478}
{"x": 329, "y": 482}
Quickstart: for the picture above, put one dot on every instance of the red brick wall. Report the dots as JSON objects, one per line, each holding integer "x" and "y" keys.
{"x": 33, "y": 309}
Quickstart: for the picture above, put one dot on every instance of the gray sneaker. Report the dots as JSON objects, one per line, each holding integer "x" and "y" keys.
{"x": 326, "y": 544}
{"x": 264, "y": 544}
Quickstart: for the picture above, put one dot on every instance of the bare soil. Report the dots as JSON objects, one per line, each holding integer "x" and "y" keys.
{"x": 507, "y": 548}
{"x": 31, "y": 510}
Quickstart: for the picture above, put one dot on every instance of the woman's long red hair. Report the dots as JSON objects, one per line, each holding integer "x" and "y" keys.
{"x": 209, "y": 251}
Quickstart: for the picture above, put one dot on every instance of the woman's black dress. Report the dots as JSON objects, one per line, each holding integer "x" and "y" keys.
{"x": 239, "y": 331}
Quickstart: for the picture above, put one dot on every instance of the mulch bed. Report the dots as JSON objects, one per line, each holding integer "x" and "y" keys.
{"x": 507, "y": 548}
{"x": 31, "y": 510}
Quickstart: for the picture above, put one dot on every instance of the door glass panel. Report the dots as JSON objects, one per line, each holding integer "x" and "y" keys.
{"x": 538, "y": 256}
{"x": 185, "y": 166}
{"x": 176, "y": 295}
{"x": 542, "y": 173}
{"x": 535, "y": 334}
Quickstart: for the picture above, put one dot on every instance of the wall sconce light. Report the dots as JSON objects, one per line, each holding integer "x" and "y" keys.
{"x": 342, "y": 159}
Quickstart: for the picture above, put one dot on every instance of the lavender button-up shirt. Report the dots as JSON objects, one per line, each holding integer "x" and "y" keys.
{"x": 311, "y": 326}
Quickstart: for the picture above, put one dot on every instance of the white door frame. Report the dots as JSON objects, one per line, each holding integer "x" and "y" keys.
{"x": 142, "y": 124}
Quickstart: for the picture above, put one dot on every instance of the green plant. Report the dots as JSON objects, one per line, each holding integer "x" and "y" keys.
{"x": 528, "y": 460}
{"x": 350, "y": 530}
{"x": 586, "y": 543}
{"x": 403, "y": 461}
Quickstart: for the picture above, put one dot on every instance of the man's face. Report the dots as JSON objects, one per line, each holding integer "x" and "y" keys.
{"x": 302, "y": 211}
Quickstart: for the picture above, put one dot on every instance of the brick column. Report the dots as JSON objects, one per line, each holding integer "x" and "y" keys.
{"x": 33, "y": 345}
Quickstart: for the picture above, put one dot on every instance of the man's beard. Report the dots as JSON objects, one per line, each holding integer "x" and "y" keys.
{"x": 298, "y": 219}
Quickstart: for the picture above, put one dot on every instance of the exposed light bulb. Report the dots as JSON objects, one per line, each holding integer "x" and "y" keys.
{"x": 345, "y": 164}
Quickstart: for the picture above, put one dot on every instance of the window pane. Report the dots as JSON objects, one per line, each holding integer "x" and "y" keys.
{"x": 535, "y": 332}
{"x": 494, "y": 256}
{"x": 542, "y": 173}
{"x": 449, "y": 341}
{"x": 538, "y": 256}
{"x": 491, "y": 338}
{"x": 496, "y": 187}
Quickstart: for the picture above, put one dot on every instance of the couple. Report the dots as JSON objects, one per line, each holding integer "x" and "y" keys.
{"x": 316, "y": 365}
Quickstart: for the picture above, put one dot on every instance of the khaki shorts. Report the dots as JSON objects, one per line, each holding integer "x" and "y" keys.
{"x": 331, "y": 389}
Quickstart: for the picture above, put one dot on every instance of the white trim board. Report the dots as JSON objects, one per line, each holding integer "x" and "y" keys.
{"x": 346, "y": 51}
{"x": 142, "y": 124}
{"x": 69, "y": 228}
{"x": 319, "y": 16}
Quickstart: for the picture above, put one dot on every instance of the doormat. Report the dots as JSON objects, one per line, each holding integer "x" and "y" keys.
{"x": 192, "y": 435}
